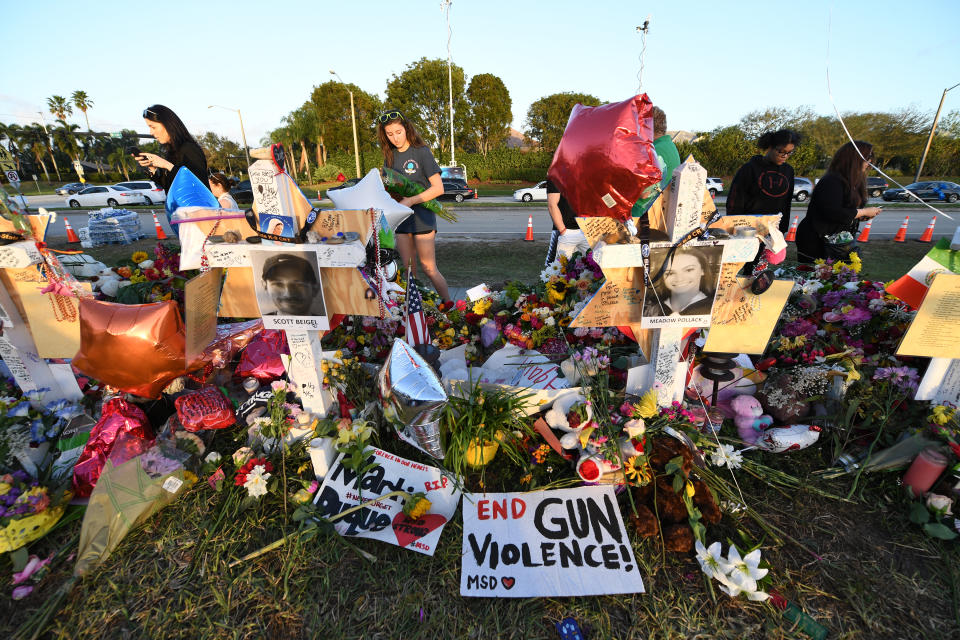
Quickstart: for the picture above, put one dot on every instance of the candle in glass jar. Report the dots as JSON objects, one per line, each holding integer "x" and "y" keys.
{"x": 924, "y": 471}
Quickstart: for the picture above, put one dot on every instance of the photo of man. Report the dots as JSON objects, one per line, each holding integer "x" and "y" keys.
{"x": 289, "y": 291}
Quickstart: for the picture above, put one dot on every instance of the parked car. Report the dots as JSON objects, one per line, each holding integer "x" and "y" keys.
{"x": 148, "y": 189}
{"x": 802, "y": 188}
{"x": 529, "y": 194}
{"x": 875, "y": 186}
{"x": 932, "y": 190}
{"x": 456, "y": 190}
{"x": 71, "y": 188}
{"x": 242, "y": 192}
{"x": 104, "y": 197}
{"x": 715, "y": 185}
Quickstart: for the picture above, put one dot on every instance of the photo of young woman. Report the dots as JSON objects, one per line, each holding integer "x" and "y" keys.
{"x": 686, "y": 286}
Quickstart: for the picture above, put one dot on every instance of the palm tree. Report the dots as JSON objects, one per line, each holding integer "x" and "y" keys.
{"x": 59, "y": 106}
{"x": 83, "y": 102}
{"x": 35, "y": 139}
{"x": 120, "y": 157}
{"x": 66, "y": 140}
{"x": 12, "y": 133}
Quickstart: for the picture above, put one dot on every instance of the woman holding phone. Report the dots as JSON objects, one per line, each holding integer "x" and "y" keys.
{"x": 178, "y": 148}
{"x": 405, "y": 151}
{"x": 837, "y": 206}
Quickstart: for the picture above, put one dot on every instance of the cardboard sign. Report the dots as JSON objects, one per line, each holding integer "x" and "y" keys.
{"x": 685, "y": 199}
{"x": 385, "y": 520}
{"x": 742, "y": 321}
{"x": 537, "y": 372}
{"x": 933, "y": 332}
{"x": 201, "y": 298}
{"x": 566, "y": 542}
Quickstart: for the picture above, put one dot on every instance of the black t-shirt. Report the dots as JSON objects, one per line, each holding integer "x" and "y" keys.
{"x": 190, "y": 155}
{"x": 417, "y": 164}
{"x": 761, "y": 187}
{"x": 567, "y": 214}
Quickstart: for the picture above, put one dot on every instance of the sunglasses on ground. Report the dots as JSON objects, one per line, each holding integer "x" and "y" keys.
{"x": 388, "y": 116}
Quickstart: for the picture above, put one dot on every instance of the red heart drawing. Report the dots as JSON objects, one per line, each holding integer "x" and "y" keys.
{"x": 408, "y": 530}
{"x": 508, "y": 583}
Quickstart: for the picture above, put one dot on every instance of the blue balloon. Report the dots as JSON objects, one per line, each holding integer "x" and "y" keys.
{"x": 187, "y": 191}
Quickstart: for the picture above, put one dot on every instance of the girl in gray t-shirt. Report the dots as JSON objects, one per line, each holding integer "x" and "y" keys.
{"x": 405, "y": 151}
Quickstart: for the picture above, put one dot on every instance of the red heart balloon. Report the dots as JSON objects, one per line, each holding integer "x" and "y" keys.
{"x": 409, "y": 530}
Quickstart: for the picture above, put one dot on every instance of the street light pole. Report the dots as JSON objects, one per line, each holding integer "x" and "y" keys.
{"x": 243, "y": 134}
{"x": 353, "y": 120}
{"x": 453, "y": 153}
{"x": 932, "y": 130}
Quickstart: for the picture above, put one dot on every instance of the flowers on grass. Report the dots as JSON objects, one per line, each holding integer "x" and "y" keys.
{"x": 726, "y": 455}
{"x": 20, "y": 496}
{"x": 736, "y": 575}
{"x": 254, "y": 476}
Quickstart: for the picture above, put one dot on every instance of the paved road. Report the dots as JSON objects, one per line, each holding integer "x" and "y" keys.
{"x": 477, "y": 221}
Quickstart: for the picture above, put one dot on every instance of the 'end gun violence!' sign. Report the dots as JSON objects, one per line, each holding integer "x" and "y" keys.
{"x": 567, "y": 542}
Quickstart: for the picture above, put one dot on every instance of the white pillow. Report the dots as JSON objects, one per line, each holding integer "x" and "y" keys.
{"x": 368, "y": 193}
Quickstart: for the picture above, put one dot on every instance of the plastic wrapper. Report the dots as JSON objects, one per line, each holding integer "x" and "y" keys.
{"x": 206, "y": 408}
{"x": 261, "y": 359}
{"x": 118, "y": 418}
{"x": 606, "y": 158}
{"x": 137, "y": 348}
{"x": 114, "y": 226}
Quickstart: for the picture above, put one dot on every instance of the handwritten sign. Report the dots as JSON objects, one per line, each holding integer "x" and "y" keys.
{"x": 16, "y": 365}
{"x": 668, "y": 368}
{"x": 384, "y": 520}
{"x": 567, "y": 542}
{"x": 228, "y": 255}
{"x": 933, "y": 332}
{"x": 302, "y": 369}
{"x": 618, "y": 301}
{"x": 19, "y": 255}
{"x": 742, "y": 321}
{"x": 608, "y": 230}
{"x": 684, "y": 205}
{"x": 537, "y": 372}
{"x": 941, "y": 382}
{"x": 201, "y": 298}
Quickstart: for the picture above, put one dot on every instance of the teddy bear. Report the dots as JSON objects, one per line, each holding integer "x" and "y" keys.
{"x": 749, "y": 418}
{"x": 658, "y": 498}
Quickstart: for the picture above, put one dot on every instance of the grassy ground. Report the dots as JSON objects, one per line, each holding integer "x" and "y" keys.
{"x": 859, "y": 567}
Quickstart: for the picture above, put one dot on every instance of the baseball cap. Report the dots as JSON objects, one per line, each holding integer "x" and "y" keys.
{"x": 286, "y": 259}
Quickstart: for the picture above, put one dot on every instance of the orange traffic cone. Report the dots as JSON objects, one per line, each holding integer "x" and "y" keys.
{"x": 161, "y": 235}
{"x": 902, "y": 231}
{"x": 792, "y": 231}
{"x": 72, "y": 237}
{"x": 865, "y": 233}
{"x": 529, "y": 236}
{"x": 928, "y": 233}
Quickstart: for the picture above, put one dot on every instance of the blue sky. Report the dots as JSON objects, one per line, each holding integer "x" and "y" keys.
{"x": 706, "y": 63}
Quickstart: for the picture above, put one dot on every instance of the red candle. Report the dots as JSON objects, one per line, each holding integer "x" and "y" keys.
{"x": 924, "y": 471}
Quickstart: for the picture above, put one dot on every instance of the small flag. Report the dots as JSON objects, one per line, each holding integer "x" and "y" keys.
{"x": 417, "y": 332}
{"x": 912, "y": 287}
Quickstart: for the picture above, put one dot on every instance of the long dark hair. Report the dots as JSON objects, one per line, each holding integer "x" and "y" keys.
{"x": 172, "y": 123}
{"x": 848, "y": 164}
{"x": 386, "y": 147}
{"x": 708, "y": 278}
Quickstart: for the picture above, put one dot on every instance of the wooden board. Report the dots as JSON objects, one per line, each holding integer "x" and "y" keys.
{"x": 53, "y": 321}
{"x": 238, "y": 298}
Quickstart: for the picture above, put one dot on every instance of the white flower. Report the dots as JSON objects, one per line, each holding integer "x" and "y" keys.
{"x": 851, "y": 286}
{"x": 241, "y": 455}
{"x": 213, "y": 457}
{"x": 748, "y": 566}
{"x": 635, "y": 427}
{"x": 939, "y": 504}
{"x": 146, "y": 264}
{"x": 256, "y": 484}
{"x": 726, "y": 455}
{"x": 811, "y": 286}
{"x": 711, "y": 559}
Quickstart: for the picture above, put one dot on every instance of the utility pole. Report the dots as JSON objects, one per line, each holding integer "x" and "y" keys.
{"x": 445, "y": 5}
{"x": 53, "y": 156}
{"x": 923, "y": 158}
{"x": 353, "y": 120}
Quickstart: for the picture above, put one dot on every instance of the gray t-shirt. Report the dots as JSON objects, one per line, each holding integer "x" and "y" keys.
{"x": 416, "y": 163}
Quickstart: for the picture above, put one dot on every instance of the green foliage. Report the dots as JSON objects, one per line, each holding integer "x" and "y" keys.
{"x": 223, "y": 154}
{"x": 328, "y": 111}
{"x": 326, "y": 173}
{"x": 421, "y": 92}
{"x": 490, "y": 112}
{"x": 723, "y": 150}
{"x": 547, "y": 117}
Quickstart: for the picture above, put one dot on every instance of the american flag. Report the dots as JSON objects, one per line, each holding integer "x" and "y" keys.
{"x": 417, "y": 332}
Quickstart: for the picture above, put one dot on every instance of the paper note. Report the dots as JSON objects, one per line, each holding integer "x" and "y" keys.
{"x": 941, "y": 382}
{"x": 201, "y": 298}
{"x": 935, "y": 331}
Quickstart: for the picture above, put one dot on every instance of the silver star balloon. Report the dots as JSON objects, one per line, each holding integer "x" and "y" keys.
{"x": 412, "y": 398}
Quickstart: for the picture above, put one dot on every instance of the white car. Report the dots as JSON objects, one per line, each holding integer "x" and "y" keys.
{"x": 715, "y": 185}
{"x": 152, "y": 194}
{"x": 104, "y": 197}
{"x": 538, "y": 192}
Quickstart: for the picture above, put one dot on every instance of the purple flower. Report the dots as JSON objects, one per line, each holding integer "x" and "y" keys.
{"x": 904, "y": 378}
{"x": 856, "y": 316}
{"x": 799, "y": 327}
{"x": 833, "y": 298}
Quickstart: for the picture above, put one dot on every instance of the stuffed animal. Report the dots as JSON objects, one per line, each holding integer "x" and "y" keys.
{"x": 750, "y": 418}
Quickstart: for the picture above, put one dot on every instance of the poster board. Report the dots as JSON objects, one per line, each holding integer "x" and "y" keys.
{"x": 201, "y": 297}
{"x": 565, "y": 542}
{"x": 385, "y": 520}
{"x": 742, "y": 322}
{"x": 935, "y": 330}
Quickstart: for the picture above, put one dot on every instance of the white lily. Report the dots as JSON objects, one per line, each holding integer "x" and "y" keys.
{"x": 711, "y": 559}
{"x": 727, "y": 455}
{"x": 749, "y": 565}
